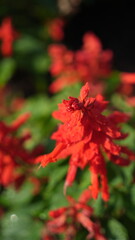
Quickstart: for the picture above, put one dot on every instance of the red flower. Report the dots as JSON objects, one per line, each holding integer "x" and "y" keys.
{"x": 55, "y": 29}
{"x": 66, "y": 220}
{"x": 127, "y": 78}
{"x": 7, "y": 35}
{"x": 13, "y": 155}
{"x": 90, "y": 63}
{"x": 47, "y": 237}
{"x": 127, "y": 87}
{"x": 86, "y": 135}
{"x": 127, "y": 83}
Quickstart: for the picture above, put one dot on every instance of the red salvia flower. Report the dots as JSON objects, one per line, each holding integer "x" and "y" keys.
{"x": 86, "y": 135}
{"x": 127, "y": 87}
{"x": 7, "y": 36}
{"x": 91, "y": 63}
{"x": 127, "y": 83}
{"x": 13, "y": 155}
{"x": 66, "y": 220}
{"x": 127, "y": 77}
{"x": 55, "y": 29}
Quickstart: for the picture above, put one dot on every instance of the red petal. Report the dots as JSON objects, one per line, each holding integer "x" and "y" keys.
{"x": 84, "y": 92}
{"x": 70, "y": 177}
{"x": 51, "y": 157}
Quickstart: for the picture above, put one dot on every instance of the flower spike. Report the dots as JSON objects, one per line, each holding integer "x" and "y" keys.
{"x": 86, "y": 135}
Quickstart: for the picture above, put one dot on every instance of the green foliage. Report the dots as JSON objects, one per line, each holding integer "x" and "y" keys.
{"x": 7, "y": 69}
{"x": 118, "y": 102}
{"x": 19, "y": 224}
{"x": 117, "y": 230}
{"x": 41, "y": 63}
{"x": 26, "y": 45}
{"x": 12, "y": 198}
{"x": 112, "y": 83}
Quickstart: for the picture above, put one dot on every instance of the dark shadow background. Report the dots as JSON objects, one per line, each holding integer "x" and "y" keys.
{"x": 113, "y": 22}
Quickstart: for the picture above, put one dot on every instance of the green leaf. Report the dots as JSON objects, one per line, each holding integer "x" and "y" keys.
{"x": 27, "y": 44}
{"x": 41, "y": 63}
{"x": 58, "y": 200}
{"x": 121, "y": 104}
{"x": 130, "y": 139}
{"x": 56, "y": 176}
{"x": 18, "y": 224}
{"x": 128, "y": 173}
{"x": 98, "y": 207}
{"x": 112, "y": 82}
{"x": 133, "y": 195}
{"x": 7, "y": 68}
{"x": 17, "y": 198}
{"x": 117, "y": 230}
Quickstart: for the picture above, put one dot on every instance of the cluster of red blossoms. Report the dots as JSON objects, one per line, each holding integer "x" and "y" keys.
{"x": 90, "y": 63}
{"x": 67, "y": 220}
{"x": 13, "y": 155}
{"x": 55, "y": 29}
{"x": 128, "y": 87}
{"x": 7, "y": 36}
{"x": 87, "y": 136}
